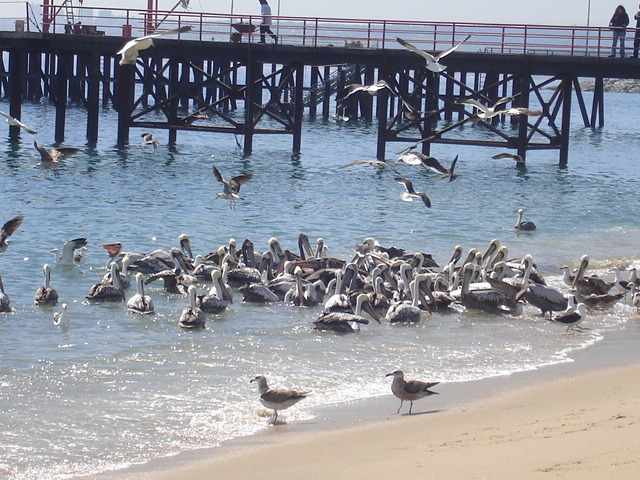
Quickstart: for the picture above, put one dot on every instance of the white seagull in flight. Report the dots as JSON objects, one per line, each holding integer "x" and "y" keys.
{"x": 433, "y": 62}
{"x": 17, "y": 123}
{"x": 130, "y": 50}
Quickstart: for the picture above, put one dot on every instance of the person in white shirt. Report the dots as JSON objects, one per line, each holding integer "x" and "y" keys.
{"x": 265, "y": 26}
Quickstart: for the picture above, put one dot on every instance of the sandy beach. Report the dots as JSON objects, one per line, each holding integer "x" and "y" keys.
{"x": 572, "y": 427}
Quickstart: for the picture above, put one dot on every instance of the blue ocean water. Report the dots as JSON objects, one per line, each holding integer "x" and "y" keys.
{"x": 115, "y": 389}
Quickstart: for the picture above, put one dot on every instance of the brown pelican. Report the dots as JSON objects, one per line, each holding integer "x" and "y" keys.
{"x": 172, "y": 281}
{"x": 231, "y": 187}
{"x": 483, "y": 296}
{"x": 519, "y": 160}
{"x": 139, "y": 302}
{"x": 404, "y": 310}
{"x": 192, "y": 317}
{"x": 185, "y": 245}
{"x": 45, "y": 295}
{"x": 276, "y": 399}
{"x": 14, "y": 122}
{"x": 102, "y": 292}
{"x": 411, "y": 194}
{"x": 526, "y": 226}
{"x": 572, "y": 316}
{"x": 5, "y": 303}
{"x": 130, "y": 49}
{"x": 433, "y": 62}
{"x": 345, "y": 322}
{"x": 372, "y": 163}
{"x": 7, "y": 230}
{"x": 53, "y": 158}
{"x": 586, "y": 285}
{"x": 123, "y": 276}
{"x": 218, "y": 298}
{"x": 61, "y": 318}
{"x": 599, "y": 301}
{"x": 409, "y": 390}
{"x": 147, "y": 139}
{"x": 67, "y": 257}
{"x": 258, "y": 293}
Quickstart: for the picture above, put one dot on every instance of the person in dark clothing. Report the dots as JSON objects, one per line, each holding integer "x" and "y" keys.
{"x": 265, "y": 26}
{"x": 618, "y": 24}
{"x": 636, "y": 39}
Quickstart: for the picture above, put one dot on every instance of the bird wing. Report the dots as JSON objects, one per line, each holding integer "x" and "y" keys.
{"x": 173, "y": 31}
{"x": 236, "y": 182}
{"x": 474, "y": 103}
{"x": 447, "y": 52}
{"x": 425, "y": 198}
{"x": 64, "y": 152}
{"x": 76, "y": 243}
{"x": 506, "y": 155}
{"x": 453, "y": 165}
{"x": 10, "y": 227}
{"x": 415, "y": 386}
{"x": 44, "y": 154}
{"x": 26, "y": 128}
{"x": 514, "y": 112}
{"x": 412, "y": 48}
{"x": 217, "y": 175}
{"x": 432, "y": 164}
{"x": 407, "y": 184}
{"x": 7, "y": 116}
{"x": 281, "y": 396}
{"x": 349, "y": 90}
{"x": 503, "y": 100}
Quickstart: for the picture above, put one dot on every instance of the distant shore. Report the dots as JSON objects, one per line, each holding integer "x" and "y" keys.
{"x": 576, "y": 420}
{"x": 618, "y": 85}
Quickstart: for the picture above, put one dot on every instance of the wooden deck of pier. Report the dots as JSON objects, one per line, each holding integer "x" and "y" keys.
{"x": 249, "y": 88}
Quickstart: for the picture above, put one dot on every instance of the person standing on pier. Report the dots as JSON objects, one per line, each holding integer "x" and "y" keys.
{"x": 636, "y": 39}
{"x": 618, "y": 24}
{"x": 265, "y": 26}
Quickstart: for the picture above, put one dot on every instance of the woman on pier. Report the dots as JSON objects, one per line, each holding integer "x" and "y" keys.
{"x": 618, "y": 24}
{"x": 265, "y": 26}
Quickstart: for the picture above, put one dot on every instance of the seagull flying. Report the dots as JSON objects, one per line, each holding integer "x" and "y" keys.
{"x": 433, "y": 62}
{"x": 232, "y": 186}
{"x": 53, "y": 158}
{"x": 147, "y": 139}
{"x": 130, "y": 50}
{"x": 373, "y": 163}
{"x": 370, "y": 89}
{"x": 519, "y": 160}
{"x": 7, "y": 230}
{"x": 411, "y": 194}
{"x": 17, "y": 123}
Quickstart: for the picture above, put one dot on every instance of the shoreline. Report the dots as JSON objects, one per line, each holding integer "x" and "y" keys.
{"x": 372, "y": 421}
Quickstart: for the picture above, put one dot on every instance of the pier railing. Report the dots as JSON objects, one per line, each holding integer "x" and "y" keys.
{"x": 339, "y": 32}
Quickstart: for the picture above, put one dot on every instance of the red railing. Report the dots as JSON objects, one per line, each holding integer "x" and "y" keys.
{"x": 355, "y": 33}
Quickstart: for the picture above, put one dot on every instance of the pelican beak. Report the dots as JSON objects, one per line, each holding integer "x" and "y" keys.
{"x": 367, "y": 307}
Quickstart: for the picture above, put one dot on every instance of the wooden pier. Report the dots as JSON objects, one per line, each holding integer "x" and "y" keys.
{"x": 249, "y": 88}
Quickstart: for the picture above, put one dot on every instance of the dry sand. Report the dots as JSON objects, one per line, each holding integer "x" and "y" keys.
{"x": 579, "y": 427}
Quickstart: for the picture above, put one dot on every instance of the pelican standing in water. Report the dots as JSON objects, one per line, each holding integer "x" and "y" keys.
{"x": 139, "y": 302}
{"x": 524, "y": 226}
{"x": 231, "y": 187}
{"x": 276, "y": 399}
{"x": 409, "y": 390}
{"x": 7, "y": 230}
{"x": 45, "y": 295}
{"x": 192, "y": 317}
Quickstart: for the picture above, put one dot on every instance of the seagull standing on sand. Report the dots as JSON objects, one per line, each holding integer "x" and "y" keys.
{"x": 276, "y": 399}
{"x": 411, "y": 194}
{"x": 409, "y": 390}
{"x": 14, "y": 122}
{"x": 572, "y": 317}
{"x": 433, "y": 62}
{"x": 130, "y": 50}
{"x": 231, "y": 187}
{"x": 7, "y": 230}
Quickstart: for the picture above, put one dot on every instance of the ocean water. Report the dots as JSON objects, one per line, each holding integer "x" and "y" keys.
{"x": 114, "y": 389}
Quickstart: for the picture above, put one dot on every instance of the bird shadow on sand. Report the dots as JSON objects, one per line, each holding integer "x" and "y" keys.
{"x": 415, "y": 414}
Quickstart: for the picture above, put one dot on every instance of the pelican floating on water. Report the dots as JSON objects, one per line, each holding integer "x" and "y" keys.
{"x": 45, "y": 295}
{"x": 103, "y": 292}
{"x": 5, "y": 303}
{"x": 345, "y": 322}
{"x": 524, "y": 226}
{"x": 192, "y": 317}
{"x": 139, "y": 302}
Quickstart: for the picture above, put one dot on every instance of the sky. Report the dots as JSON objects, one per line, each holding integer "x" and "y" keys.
{"x": 537, "y": 12}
